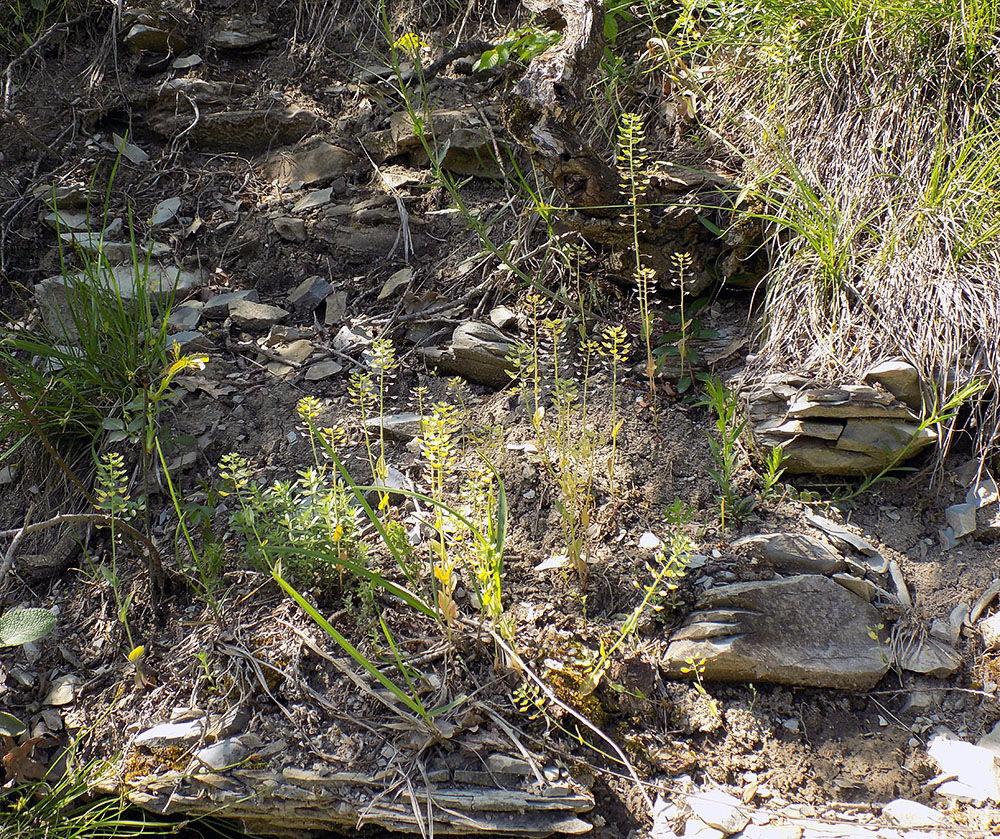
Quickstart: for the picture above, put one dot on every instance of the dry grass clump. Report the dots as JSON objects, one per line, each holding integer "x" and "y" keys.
{"x": 870, "y": 135}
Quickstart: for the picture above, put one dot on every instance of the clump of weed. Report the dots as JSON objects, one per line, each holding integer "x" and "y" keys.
{"x": 311, "y": 516}
{"x": 632, "y": 157}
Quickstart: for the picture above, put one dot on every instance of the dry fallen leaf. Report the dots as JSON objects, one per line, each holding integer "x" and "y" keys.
{"x": 19, "y": 766}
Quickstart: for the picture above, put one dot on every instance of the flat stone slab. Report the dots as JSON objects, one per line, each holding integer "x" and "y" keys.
{"x": 397, "y": 426}
{"x": 720, "y": 810}
{"x": 319, "y": 164}
{"x": 901, "y": 379}
{"x": 478, "y": 352}
{"x": 184, "y": 318}
{"x": 849, "y": 430}
{"x": 191, "y": 341}
{"x": 295, "y": 803}
{"x": 805, "y": 630}
{"x": 58, "y": 296}
{"x": 930, "y": 657}
{"x": 308, "y": 294}
{"x": 323, "y": 370}
{"x": 970, "y": 772}
{"x": 796, "y": 553}
{"x": 217, "y": 307}
{"x": 255, "y": 317}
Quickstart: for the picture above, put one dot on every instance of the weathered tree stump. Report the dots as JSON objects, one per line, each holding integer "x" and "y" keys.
{"x": 684, "y": 206}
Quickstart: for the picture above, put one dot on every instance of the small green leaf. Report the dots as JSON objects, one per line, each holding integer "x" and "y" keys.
{"x": 19, "y": 626}
{"x": 610, "y": 29}
{"x": 112, "y": 424}
{"x": 11, "y": 725}
{"x": 711, "y": 226}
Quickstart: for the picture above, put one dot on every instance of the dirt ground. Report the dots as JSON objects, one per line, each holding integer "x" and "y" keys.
{"x": 834, "y": 752}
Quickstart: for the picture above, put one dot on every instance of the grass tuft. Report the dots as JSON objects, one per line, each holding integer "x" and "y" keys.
{"x": 868, "y": 134}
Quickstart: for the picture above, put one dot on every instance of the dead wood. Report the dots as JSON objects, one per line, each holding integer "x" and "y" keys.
{"x": 543, "y": 114}
{"x": 542, "y": 111}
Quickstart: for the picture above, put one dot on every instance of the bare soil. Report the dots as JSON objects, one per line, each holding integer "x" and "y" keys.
{"x": 835, "y": 752}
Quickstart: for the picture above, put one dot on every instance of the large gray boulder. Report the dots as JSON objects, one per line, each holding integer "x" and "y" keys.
{"x": 478, "y": 352}
{"x": 59, "y": 296}
{"x": 849, "y": 430}
{"x": 805, "y": 630}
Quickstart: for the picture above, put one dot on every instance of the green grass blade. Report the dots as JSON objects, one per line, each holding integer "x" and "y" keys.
{"x": 408, "y": 597}
{"x": 349, "y": 648}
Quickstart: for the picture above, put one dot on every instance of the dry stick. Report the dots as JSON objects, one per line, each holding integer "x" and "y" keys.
{"x": 19, "y": 535}
{"x": 555, "y": 700}
{"x": 9, "y": 72}
{"x": 130, "y": 534}
{"x": 26, "y": 529}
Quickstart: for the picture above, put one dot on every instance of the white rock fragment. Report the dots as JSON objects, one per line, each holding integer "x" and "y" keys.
{"x": 991, "y": 740}
{"x": 165, "y": 211}
{"x": 795, "y": 552}
{"x": 720, "y": 810}
{"x": 931, "y": 657}
{"x": 316, "y": 198}
{"x": 229, "y": 752}
{"x": 502, "y": 317}
{"x": 129, "y": 150}
{"x": 983, "y": 602}
{"x": 553, "y": 562}
{"x": 506, "y": 765}
{"x": 290, "y": 229}
{"x": 900, "y": 378}
{"x": 399, "y": 280}
{"x": 62, "y": 691}
{"x": 323, "y": 370}
{"x": 695, "y": 828}
{"x": 184, "y": 318}
{"x": 908, "y": 813}
{"x": 771, "y": 831}
{"x": 961, "y": 518}
{"x": 989, "y": 628}
{"x": 403, "y": 426}
{"x": 172, "y": 734}
{"x": 950, "y": 630}
{"x": 336, "y": 306}
{"x": 983, "y": 491}
{"x": 968, "y": 772}
{"x": 947, "y": 538}
{"x": 351, "y": 339}
{"x": 255, "y": 317}
{"x": 865, "y": 589}
{"x": 665, "y": 814}
{"x": 649, "y": 541}
{"x": 900, "y": 590}
{"x": 186, "y": 62}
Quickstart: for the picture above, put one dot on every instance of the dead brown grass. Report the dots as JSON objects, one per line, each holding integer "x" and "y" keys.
{"x": 876, "y": 174}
